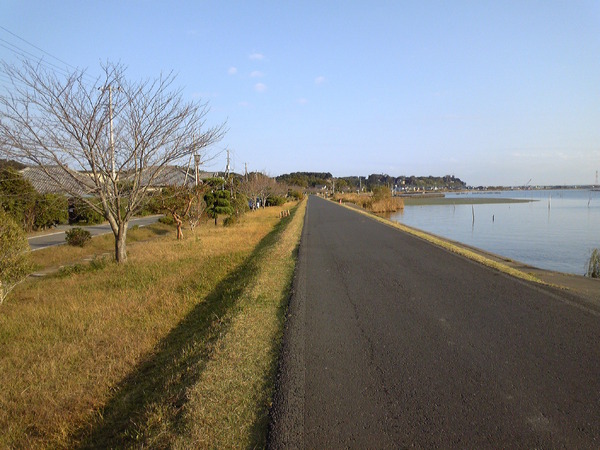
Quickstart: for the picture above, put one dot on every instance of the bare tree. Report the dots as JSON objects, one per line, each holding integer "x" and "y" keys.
{"x": 184, "y": 202}
{"x": 122, "y": 134}
{"x": 259, "y": 186}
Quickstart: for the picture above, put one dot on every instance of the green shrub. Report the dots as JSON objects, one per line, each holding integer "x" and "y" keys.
{"x": 14, "y": 255}
{"x": 17, "y": 198}
{"x": 296, "y": 195}
{"x": 167, "y": 220}
{"x": 231, "y": 220}
{"x": 380, "y": 193}
{"x": 240, "y": 204}
{"x": 50, "y": 210}
{"x": 77, "y": 237}
{"x": 594, "y": 264}
{"x": 81, "y": 212}
{"x": 275, "y": 200}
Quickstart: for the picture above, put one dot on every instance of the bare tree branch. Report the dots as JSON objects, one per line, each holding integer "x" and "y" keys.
{"x": 62, "y": 121}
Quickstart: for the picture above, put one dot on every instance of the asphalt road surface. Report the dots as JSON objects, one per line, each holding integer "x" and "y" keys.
{"x": 57, "y": 237}
{"x": 392, "y": 342}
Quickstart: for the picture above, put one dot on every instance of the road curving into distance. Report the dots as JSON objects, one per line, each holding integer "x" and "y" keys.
{"x": 393, "y": 342}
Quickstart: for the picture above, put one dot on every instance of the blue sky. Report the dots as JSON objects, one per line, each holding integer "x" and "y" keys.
{"x": 493, "y": 92}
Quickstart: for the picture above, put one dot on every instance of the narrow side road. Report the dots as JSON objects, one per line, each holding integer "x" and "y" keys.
{"x": 57, "y": 236}
{"x": 392, "y": 342}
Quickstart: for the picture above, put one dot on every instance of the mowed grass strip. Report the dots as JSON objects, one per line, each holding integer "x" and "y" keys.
{"x": 109, "y": 357}
{"x": 229, "y": 406}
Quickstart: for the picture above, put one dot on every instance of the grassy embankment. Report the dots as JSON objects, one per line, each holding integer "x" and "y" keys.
{"x": 177, "y": 348}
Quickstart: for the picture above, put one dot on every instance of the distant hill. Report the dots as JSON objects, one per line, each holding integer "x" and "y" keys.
{"x": 313, "y": 179}
{"x": 305, "y": 179}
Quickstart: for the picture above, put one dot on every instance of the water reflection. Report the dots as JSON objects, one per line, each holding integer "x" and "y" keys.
{"x": 556, "y": 230}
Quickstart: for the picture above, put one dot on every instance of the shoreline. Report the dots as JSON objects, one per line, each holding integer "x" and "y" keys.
{"x": 585, "y": 290}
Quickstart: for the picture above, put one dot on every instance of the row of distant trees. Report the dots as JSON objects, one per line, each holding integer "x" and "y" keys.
{"x": 184, "y": 204}
{"x": 354, "y": 183}
{"x": 232, "y": 196}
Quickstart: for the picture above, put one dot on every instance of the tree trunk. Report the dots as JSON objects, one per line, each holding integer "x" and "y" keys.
{"x": 178, "y": 222}
{"x": 120, "y": 243}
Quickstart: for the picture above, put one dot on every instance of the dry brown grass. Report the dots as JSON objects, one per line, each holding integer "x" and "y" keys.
{"x": 390, "y": 204}
{"x": 101, "y": 358}
{"x": 368, "y": 202}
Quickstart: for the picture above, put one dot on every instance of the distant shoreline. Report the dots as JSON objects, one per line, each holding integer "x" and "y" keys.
{"x": 412, "y": 200}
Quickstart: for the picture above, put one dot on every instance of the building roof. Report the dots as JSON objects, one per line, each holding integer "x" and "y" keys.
{"x": 175, "y": 176}
{"x": 58, "y": 180}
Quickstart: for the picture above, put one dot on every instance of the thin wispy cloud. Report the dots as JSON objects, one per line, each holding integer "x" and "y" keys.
{"x": 257, "y": 74}
{"x": 256, "y": 56}
{"x": 319, "y": 80}
{"x": 260, "y": 87}
{"x": 232, "y": 70}
{"x": 302, "y": 101}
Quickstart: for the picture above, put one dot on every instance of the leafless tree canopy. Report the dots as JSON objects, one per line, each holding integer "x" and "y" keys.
{"x": 65, "y": 121}
{"x": 258, "y": 186}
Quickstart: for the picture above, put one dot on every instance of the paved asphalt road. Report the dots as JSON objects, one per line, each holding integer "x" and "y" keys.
{"x": 392, "y": 342}
{"x": 57, "y": 237}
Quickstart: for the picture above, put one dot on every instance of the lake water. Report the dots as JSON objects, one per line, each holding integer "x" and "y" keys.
{"x": 557, "y": 230}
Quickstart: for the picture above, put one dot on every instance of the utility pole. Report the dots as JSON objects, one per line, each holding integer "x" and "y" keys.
{"x": 228, "y": 168}
{"x": 112, "y": 142}
{"x": 111, "y": 137}
{"x": 197, "y": 164}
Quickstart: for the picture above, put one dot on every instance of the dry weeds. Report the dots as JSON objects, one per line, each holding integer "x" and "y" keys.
{"x": 100, "y": 358}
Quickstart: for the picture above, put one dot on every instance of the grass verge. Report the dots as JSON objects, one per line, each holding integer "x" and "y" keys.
{"x": 121, "y": 356}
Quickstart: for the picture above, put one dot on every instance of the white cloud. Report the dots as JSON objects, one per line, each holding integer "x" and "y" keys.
{"x": 244, "y": 104}
{"x": 302, "y": 101}
{"x": 260, "y": 87}
{"x": 320, "y": 80}
{"x": 256, "y": 56}
{"x": 257, "y": 74}
{"x": 232, "y": 70}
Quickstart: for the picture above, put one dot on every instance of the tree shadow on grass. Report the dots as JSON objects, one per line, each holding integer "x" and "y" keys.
{"x": 146, "y": 408}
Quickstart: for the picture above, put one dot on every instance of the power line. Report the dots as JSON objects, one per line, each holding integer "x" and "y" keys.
{"x": 37, "y": 48}
{"x": 26, "y": 55}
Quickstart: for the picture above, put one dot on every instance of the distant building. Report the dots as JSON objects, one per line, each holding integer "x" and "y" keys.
{"x": 58, "y": 180}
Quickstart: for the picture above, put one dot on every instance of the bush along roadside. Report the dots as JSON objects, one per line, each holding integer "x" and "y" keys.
{"x": 77, "y": 237}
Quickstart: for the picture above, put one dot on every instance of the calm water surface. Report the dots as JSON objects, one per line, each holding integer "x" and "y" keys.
{"x": 557, "y": 230}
